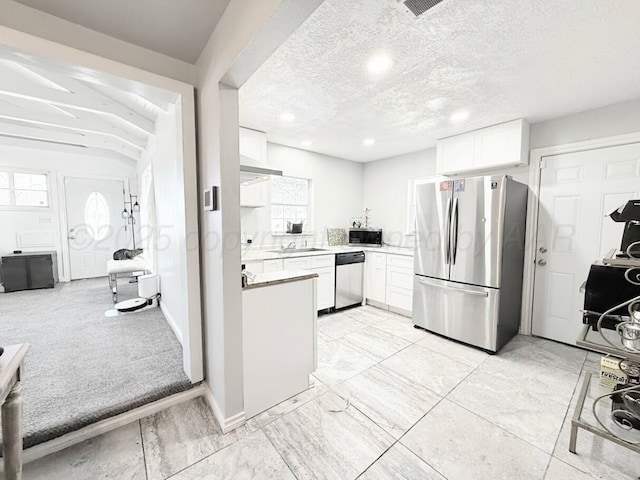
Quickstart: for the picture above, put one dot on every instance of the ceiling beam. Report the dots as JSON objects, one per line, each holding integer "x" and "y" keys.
{"x": 133, "y": 101}
{"x": 84, "y": 122}
{"x": 80, "y": 96}
{"x": 155, "y": 95}
{"x": 32, "y": 144}
{"x": 75, "y": 138}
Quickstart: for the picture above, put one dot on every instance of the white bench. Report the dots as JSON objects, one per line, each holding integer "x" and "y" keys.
{"x": 124, "y": 268}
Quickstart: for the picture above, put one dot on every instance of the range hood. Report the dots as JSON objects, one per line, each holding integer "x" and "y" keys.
{"x": 253, "y": 172}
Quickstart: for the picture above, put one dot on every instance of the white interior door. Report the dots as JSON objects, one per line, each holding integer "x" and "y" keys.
{"x": 94, "y": 223}
{"x": 577, "y": 192}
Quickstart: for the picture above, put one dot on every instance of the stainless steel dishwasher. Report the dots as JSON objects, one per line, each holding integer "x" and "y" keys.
{"x": 349, "y": 279}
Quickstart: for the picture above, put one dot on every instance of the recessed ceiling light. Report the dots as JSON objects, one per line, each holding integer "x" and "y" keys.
{"x": 459, "y": 116}
{"x": 288, "y": 117}
{"x": 367, "y": 142}
{"x": 379, "y": 64}
{"x": 306, "y": 143}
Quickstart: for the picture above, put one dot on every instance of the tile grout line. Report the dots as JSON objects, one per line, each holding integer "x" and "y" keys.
{"x": 278, "y": 451}
{"x": 202, "y": 459}
{"x": 398, "y": 440}
{"x": 446, "y": 396}
{"x": 580, "y": 377}
{"x": 489, "y": 421}
{"x": 144, "y": 454}
{"x": 529, "y": 392}
{"x": 378, "y": 362}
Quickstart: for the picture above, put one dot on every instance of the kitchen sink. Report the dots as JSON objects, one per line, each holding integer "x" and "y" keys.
{"x": 298, "y": 250}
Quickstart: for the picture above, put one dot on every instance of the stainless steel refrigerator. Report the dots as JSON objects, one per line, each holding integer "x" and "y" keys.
{"x": 469, "y": 256}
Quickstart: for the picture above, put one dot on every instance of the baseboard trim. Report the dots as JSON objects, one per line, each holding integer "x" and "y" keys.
{"x": 103, "y": 426}
{"x": 389, "y": 308}
{"x": 401, "y": 311}
{"x": 374, "y": 303}
{"x": 172, "y": 323}
{"x": 226, "y": 424}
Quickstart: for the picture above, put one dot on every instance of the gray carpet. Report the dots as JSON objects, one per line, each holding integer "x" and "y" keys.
{"x": 82, "y": 366}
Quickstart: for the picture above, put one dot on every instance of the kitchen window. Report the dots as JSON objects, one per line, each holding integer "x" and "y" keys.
{"x": 23, "y": 189}
{"x": 290, "y": 202}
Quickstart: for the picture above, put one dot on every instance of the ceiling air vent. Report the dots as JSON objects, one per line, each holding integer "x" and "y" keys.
{"x": 418, "y": 7}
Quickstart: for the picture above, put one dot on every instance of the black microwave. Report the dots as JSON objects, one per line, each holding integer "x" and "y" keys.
{"x": 365, "y": 236}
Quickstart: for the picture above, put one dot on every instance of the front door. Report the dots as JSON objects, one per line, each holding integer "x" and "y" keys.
{"x": 95, "y": 226}
{"x": 577, "y": 192}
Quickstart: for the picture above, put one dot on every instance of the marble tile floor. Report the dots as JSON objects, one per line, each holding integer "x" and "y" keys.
{"x": 387, "y": 402}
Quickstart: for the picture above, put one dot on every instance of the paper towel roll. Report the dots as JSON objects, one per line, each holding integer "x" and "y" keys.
{"x": 148, "y": 285}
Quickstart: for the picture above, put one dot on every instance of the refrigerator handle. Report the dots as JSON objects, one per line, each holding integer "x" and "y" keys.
{"x": 454, "y": 289}
{"x": 453, "y": 240}
{"x": 448, "y": 230}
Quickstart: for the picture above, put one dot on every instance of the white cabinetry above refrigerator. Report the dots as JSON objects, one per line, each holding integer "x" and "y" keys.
{"x": 499, "y": 146}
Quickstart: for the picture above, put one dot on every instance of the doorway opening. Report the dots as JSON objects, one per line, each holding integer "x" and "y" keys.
{"x": 93, "y": 198}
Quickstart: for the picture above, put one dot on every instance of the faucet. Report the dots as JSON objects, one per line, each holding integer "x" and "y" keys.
{"x": 291, "y": 245}
{"x": 305, "y": 244}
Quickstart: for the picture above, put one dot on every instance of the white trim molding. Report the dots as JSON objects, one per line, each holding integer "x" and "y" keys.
{"x": 226, "y": 424}
{"x": 536, "y": 160}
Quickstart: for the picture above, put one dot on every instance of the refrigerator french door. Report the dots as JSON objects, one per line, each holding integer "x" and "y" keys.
{"x": 465, "y": 232}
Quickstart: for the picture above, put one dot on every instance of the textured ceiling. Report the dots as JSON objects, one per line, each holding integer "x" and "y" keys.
{"x": 177, "y": 28}
{"x": 500, "y": 59}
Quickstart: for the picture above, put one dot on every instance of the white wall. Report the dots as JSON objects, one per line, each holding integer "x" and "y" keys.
{"x": 608, "y": 121}
{"x": 337, "y": 193}
{"x": 164, "y": 153}
{"x": 385, "y": 191}
{"x": 219, "y": 165}
{"x": 57, "y": 165}
{"x": 35, "y": 22}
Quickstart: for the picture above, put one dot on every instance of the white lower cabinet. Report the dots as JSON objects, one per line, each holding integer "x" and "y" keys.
{"x": 326, "y": 287}
{"x": 273, "y": 265}
{"x": 254, "y": 266}
{"x": 389, "y": 280}
{"x": 400, "y": 298}
{"x": 400, "y": 282}
{"x": 376, "y": 276}
{"x": 324, "y": 266}
{"x": 279, "y": 342}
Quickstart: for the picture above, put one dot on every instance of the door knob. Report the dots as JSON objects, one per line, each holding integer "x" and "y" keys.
{"x": 542, "y": 262}
{"x": 543, "y": 250}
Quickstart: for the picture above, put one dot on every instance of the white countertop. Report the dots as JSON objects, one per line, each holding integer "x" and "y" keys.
{"x": 255, "y": 254}
{"x": 276, "y": 278}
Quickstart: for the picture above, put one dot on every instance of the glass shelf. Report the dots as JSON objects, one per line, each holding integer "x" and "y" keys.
{"x": 592, "y": 340}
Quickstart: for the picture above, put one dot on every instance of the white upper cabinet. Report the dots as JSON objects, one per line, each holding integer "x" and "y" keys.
{"x": 253, "y": 144}
{"x": 499, "y": 146}
{"x": 506, "y": 144}
{"x": 455, "y": 154}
